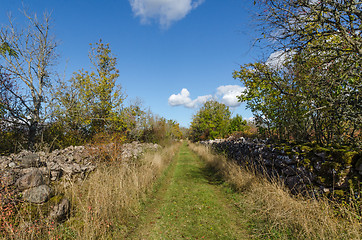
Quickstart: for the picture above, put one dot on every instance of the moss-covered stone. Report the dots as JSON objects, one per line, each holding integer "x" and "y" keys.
{"x": 321, "y": 180}
{"x": 340, "y": 194}
{"x": 306, "y": 162}
{"x": 305, "y": 148}
{"x": 279, "y": 148}
{"x": 31, "y": 211}
{"x": 342, "y": 156}
{"x": 328, "y": 172}
{"x": 311, "y": 144}
{"x": 287, "y": 148}
{"x": 55, "y": 200}
{"x": 319, "y": 149}
{"x": 331, "y": 166}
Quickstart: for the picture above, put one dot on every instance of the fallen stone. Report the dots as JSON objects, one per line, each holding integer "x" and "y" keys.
{"x": 30, "y": 180}
{"x": 38, "y": 194}
{"x": 61, "y": 211}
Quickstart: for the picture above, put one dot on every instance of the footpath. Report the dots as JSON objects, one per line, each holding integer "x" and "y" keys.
{"x": 190, "y": 203}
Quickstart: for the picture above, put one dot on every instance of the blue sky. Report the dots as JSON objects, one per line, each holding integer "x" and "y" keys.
{"x": 172, "y": 54}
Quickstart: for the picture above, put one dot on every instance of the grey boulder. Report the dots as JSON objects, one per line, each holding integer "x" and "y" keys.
{"x": 38, "y": 194}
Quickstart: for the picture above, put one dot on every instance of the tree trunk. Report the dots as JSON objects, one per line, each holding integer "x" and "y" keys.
{"x": 33, "y": 128}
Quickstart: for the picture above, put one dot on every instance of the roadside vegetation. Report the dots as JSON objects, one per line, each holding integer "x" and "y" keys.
{"x": 273, "y": 213}
{"x": 107, "y": 204}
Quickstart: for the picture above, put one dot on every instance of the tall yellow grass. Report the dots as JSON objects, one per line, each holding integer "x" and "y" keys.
{"x": 106, "y": 204}
{"x": 271, "y": 203}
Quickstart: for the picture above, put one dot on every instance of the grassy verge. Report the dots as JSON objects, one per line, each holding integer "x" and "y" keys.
{"x": 192, "y": 206}
{"x": 273, "y": 213}
{"x": 107, "y": 204}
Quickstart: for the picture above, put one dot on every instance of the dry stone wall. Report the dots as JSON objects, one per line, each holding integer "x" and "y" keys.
{"x": 301, "y": 169}
{"x": 31, "y": 175}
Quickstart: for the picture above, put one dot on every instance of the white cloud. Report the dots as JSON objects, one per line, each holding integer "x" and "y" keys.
{"x": 251, "y": 119}
{"x": 180, "y": 98}
{"x": 225, "y": 94}
{"x": 183, "y": 98}
{"x": 277, "y": 59}
{"x": 164, "y": 11}
{"x": 229, "y": 94}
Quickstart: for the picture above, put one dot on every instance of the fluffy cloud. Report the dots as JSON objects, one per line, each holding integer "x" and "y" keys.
{"x": 229, "y": 94}
{"x": 225, "y": 94}
{"x": 183, "y": 98}
{"x": 164, "y": 11}
{"x": 277, "y": 59}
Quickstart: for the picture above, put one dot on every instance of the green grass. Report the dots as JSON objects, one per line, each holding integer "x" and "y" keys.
{"x": 193, "y": 206}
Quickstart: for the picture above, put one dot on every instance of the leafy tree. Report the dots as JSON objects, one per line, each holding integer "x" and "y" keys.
{"x": 315, "y": 95}
{"x": 210, "y": 122}
{"x": 296, "y": 24}
{"x": 133, "y": 117}
{"x": 326, "y": 38}
{"x": 92, "y": 102}
{"x": 275, "y": 99}
{"x": 237, "y": 124}
{"x": 173, "y": 130}
{"x": 27, "y": 56}
{"x": 332, "y": 92}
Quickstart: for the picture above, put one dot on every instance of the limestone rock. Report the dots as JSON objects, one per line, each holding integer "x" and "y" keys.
{"x": 12, "y": 165}
{"x": 30, "y": 180}
{"x": 297, "y": 167}
{"x": 38, "y": 194}
{"x": 60, "y": 211}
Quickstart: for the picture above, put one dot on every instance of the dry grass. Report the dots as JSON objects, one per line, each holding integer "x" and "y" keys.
{"x": 280, "y": 215}
{"x": 21, "y": 220}
{"x": 105, "y": 204}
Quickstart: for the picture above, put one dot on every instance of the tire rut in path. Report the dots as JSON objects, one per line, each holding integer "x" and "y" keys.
{"x": 190, "y": 206}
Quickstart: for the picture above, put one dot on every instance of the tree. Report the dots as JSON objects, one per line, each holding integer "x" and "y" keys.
{"x": 326, "y": 38}
{"x": 237, "y": 124}
{"x": 11, "y": 133}
{"x": 174, "y": 131}
{"x": 210, "y": 122}
{"x": 315, "y": 95}
{"x": 133, "y": 117}
{"x": 92, "y": 101}
{"x": 31, "y": 53}
{"x": 296, "y": 24}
